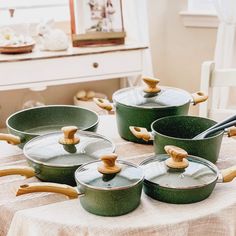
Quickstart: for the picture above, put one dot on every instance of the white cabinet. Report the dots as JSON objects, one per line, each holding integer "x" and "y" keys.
{"x": 75, "y": 65}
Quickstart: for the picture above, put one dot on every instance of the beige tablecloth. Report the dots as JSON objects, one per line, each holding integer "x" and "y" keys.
{"x": 53, "y": 214}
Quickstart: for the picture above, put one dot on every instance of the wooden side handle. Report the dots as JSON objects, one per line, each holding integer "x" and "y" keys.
{"x": 151, "y": 85}
{"x": 109, "y": 165}
{"x": 231, "y": 132}
{"x": 69, "y": 135}
{"x": 17, "y": 170}
{"x": 10, "y": 138}
{"x": 229, "y": 174}
{"x": 48, "y": 187}
{"x": 177, "y": 158}
{"x": 103, "y": 103}
{"x": 199, "y": 97}
{"x": 140, "y": 133}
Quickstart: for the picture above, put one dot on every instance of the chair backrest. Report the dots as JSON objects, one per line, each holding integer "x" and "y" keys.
{"x": 216, "y": 83}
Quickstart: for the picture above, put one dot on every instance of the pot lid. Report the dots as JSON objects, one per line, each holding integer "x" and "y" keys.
{"x": 109, "y": 174}
{"x": 177, "y": 172}
{"x": 152, "y": 96}
{"x": 73, "y": 149}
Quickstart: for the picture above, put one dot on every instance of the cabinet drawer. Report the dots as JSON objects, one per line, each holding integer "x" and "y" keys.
{"x": 56, "y": 69}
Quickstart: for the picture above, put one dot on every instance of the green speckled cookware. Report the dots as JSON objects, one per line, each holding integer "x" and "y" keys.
{"x": 106, "y": 187}
{"x": 55, "y": 161}
{"x": 139, "y": 106}
{"x": 178, "y": 178}
{"x": 29, "y": 123}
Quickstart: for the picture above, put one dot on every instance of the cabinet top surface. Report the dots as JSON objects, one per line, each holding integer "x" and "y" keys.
{"x": 72, "y": 51}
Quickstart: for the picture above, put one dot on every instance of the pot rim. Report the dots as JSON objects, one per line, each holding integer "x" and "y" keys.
{"x": 41, "y": 107}
{"x": 184, "y": 139}
{"x": 114, "y": 188}
{"x": 214, "y": 167}
{"x": 150, "y": 108}
{"x": 58, "y": 165}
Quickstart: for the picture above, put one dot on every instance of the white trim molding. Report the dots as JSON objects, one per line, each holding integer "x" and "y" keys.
{"x": 199, "y": 19}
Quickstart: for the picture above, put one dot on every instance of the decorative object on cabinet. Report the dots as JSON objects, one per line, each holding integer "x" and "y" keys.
{"x": 51, "y": 39}
{"x": 13, "y": 43}
{"x": 96, "y": 22}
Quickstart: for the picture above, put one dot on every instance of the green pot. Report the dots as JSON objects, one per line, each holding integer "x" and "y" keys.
{"x": 139, "y": 106}
{"x": 174, "y": 179}
{"x": 27, "y": 124}
{"x": 105, "y": 188}
{"x": 55, "y": 157}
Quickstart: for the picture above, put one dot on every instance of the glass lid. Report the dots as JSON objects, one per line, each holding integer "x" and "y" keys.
{"x": 151, "y": 96}
{"x": 177, "y": 172}
{"x": 74, "y": 148}
{"x": 108, "y": 173}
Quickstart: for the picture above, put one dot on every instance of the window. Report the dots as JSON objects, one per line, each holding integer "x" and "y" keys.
{"x": 33, "y": 11}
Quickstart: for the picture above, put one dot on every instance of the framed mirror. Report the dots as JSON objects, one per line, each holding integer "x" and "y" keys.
{"x": 96, "y": 22}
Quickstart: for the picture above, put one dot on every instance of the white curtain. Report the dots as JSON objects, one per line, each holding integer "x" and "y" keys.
{"x": 136, "y": 27}
{"x": 225, "y": 51}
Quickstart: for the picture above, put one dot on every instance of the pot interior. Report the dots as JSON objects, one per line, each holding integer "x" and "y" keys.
{"x": 43, "y": 120}
{"x": 185, "y": 127}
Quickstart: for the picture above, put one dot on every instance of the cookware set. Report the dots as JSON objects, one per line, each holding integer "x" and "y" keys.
{"x": 63, "y": 150}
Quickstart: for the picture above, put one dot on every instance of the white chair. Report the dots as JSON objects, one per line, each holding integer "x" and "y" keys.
{"x": 217, "y": 83}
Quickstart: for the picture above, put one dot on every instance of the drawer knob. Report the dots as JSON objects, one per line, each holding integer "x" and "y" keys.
{"x": 95, "y": 65}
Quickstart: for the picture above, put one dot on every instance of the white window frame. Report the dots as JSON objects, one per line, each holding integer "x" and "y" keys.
{"x": 200, "y": 14}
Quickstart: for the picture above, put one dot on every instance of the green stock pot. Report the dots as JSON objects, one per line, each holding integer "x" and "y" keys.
{"x": 141, "y": 106}
{"x": 180, "y": 131}
{"x": 29, "y": 123}
{"x": 55, "y": 157}
{"x": 105, "y": 187}
{"x": 178, "y": 178}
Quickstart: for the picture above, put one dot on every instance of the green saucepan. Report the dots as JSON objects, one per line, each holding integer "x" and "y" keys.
{"x": 178, "y": 178}
{"x": 29, "y": 123}
{"x": 179, "y": 131}
{"x": 105, "y": 187}
{"x": 140, "y": 106}
{"x": 55, "y": 156}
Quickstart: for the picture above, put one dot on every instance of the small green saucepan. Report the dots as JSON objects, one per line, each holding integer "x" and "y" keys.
{"x": 55, "y": 156}
{"x": 140, "y": 106}
{"x": 178, "y": 178}
{"x": 29, "y": 123}
{"x": 105, "y": 187}
{"x": 180, "y": 131}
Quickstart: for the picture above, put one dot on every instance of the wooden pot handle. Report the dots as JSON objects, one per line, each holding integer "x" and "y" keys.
{"x": 231, "y": 132}
{"x": 109, "y": 165}
{"x": 229, "y": 174}
{"x": 17, "y": 170}
{"x": 48, "y": 187}
{"x": 10, "y": 138}
{"x": 177, "y": 158}
{"x": 152, "y": 85}
{"x": 140, "y": 133}
{"x": 103, "y": 103}
{"x": 199, "y": 97}
{"x": 69, "y": 137}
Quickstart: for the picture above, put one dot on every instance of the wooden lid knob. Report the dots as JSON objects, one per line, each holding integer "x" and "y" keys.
{"x": 109, "y": 165}
{"x": 177, "y": 158}
{"x": 151, "y": 85}
{"x": 69, "y": 135}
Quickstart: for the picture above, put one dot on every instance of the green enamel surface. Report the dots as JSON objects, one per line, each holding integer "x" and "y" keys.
{"x": 111, "y": 202}
{"x": 178, "y": 196}
{"x": 41, "y": 120}
{"x": 179, "y": 131}
{"x": 133, "y": 116}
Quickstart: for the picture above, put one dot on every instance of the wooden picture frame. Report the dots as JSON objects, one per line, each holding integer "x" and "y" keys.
{"x": 96, "y": 22}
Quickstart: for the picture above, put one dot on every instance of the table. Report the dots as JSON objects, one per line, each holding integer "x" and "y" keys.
{"x": 45, "y": 68}
{"x": 53, "y": 214}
